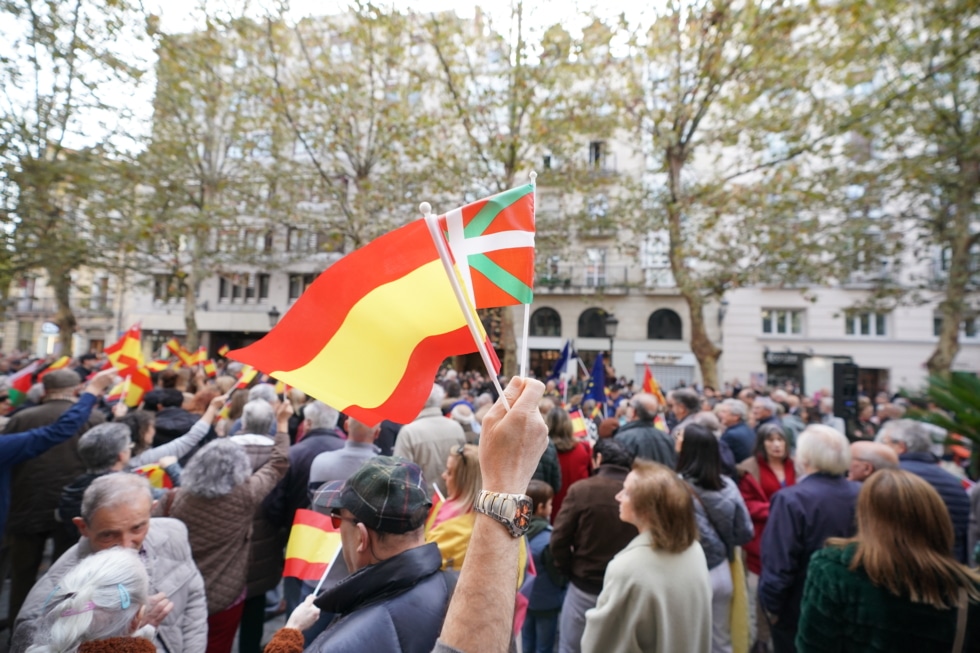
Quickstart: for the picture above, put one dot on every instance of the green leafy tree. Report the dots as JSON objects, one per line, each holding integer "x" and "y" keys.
{"x": 62, "y": 62}
{"x": 911, "y": 71}
{"x": 739, "y": 182}
{"x": 349, "y": 93}
{"x": 511, "y": 99}
{"x": 208, "y": 182}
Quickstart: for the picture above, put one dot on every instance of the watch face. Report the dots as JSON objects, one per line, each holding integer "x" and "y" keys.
{"x": 522, "y": 514}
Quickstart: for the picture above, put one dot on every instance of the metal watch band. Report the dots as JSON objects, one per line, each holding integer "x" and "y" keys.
{"x": 511, "y": 510}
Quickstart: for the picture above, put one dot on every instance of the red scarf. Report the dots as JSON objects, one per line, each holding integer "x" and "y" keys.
{"x": 768, "y": 480}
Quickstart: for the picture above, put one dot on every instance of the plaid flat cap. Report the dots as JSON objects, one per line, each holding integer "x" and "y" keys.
{"x": 386, "y": 494}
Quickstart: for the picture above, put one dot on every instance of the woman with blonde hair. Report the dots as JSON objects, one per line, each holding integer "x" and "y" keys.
{"x": 451, "y": 522}
{"x": 656, "y": 595}
{"x": 98, "y": 606}
{"x": 895, "y": 586}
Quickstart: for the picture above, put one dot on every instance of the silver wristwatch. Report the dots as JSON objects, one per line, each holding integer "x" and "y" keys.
{"x": 511, "y": 510}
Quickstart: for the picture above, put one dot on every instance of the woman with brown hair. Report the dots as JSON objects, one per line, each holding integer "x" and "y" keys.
{"x": 656, "y": 595}
{"x": 574, "y": 456}
{"x": 895, "y": 586}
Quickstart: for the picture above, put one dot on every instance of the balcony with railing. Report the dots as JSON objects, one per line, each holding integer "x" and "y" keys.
{"x": 83, "y": 307}
{"x": 570, "y": 278}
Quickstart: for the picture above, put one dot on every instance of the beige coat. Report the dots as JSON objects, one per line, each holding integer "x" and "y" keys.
{"x": 652, "y": 602}
{"x": 428, "y": 441}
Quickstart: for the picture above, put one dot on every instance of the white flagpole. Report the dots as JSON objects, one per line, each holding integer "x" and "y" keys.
{"x": 527, "y": 328}
{"x": 327, "y": 571}
{"x": 461, "y": 297}
{"x": 527, "y": 307}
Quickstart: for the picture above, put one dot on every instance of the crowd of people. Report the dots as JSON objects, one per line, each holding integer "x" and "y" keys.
{"x": 749, "y": 519}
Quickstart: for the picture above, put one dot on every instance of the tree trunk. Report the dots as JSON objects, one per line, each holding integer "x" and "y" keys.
{"x": 953, "y": 305}
{"x": 704, "y": 350}
{"x": 191, "y": 282}
{"x": 65, "y": 318}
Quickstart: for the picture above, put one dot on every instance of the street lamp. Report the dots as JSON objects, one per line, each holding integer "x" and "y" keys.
{"x": 273, "y": 316}
{"x": 612, "y": 324}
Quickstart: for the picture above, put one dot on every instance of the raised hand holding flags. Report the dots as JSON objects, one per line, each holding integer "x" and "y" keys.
{"x": 369, "y": 334}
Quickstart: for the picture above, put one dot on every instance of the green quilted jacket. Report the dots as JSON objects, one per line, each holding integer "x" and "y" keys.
{"x": 843, "y": 611}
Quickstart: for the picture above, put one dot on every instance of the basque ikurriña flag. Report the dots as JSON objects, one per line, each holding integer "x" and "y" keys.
{"x": 369, "y": 334}
{"x": 492, "y": 243}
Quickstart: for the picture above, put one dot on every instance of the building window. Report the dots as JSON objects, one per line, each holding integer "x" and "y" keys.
{"x": 592, "y": 323}
{"x": 970, "y": 331}
{"x": 864, "y": 324}
{"x": 247, "y": 288}
{"x": 166, "y": 287}
{"x": 100, "y": 294}
{"x": 595, "y": 267}
{"x": 298, "y": 283}
{"x": 664, "y": 324}
{"x": 596, "y": 152}
{"x": 545, "y": 322}
{"x": 25, "y": 336}
{"x": 782, "y": 322}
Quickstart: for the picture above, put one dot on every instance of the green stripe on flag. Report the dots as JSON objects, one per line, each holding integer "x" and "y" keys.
{"x": 492, "y": 209}
{"x": 502, "y": 278}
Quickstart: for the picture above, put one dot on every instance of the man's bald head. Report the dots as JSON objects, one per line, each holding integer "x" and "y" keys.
{"x": 869, "y": 457}
{"x": 645, "y": 406}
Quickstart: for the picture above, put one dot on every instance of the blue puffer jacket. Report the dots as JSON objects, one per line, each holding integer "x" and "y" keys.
{"x": 926, "y": 466}
{"x": 723, "y": 521}
{"x": 396, "y": 605}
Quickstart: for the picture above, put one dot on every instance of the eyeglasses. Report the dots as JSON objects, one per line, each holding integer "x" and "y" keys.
{"x": 460, "y": 451}
{"x": 336, "y": 519}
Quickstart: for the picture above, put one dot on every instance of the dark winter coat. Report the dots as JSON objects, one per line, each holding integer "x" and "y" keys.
{"x": 398, "y": 604}
{"x": 801, "y": 518}
{"x": 589, "y": 533}
{"x": 36, "y": 484}
{"x": 926, "y": 466}
{"x": 644, "y": 440}
{"x": 844, "y": 611}
{"x": 18, "y": 447}
{"x": 292, "y": 492}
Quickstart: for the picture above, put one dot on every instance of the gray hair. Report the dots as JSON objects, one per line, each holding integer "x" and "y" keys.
{"x": 766, "y": 403}
{"x": 484, "y": 399}
{"x": 96, "y": 599}
{"x": 709, "y": 421}
{"x": 687, "y": 398}
{"x": 824, "y": 449}
{"x": 435, "y": 396}
{"x": 914, "y": 435}
{"x": 216, "y": 470}
{"x": 113, "y": 490}
{"x": 100, "y": 446}
{"x": 36, "y": 393}
{"x": 320, "y": 415}
{"x": 263, "y": 391}
{"x": 257, "y": 417}
{"x": 736, "y": 407}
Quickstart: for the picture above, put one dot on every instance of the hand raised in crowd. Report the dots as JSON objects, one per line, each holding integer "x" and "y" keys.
{"x": 511, "y": 443}
{"x": 167, "y": 461}
{"x": 305, "y": 614}
{"x": 157, "y": 608}
{"x": 119, "y": 410}
{"x": 100, "y": 382}
{"x": 283, "y": 413}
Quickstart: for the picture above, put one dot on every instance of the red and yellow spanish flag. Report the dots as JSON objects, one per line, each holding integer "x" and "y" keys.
{"x": 651, "y": 386}
{"x": 157, "y": 365}
{"x": 210, "y": 368}
{"x": 127, "y": 352}
{"x": 223, "y": 350}
{"x": 55, "y": 365}
{"x": 579, "y": 430}
{"x": 313, "y": 546}
{"x": 369, "y": 334}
